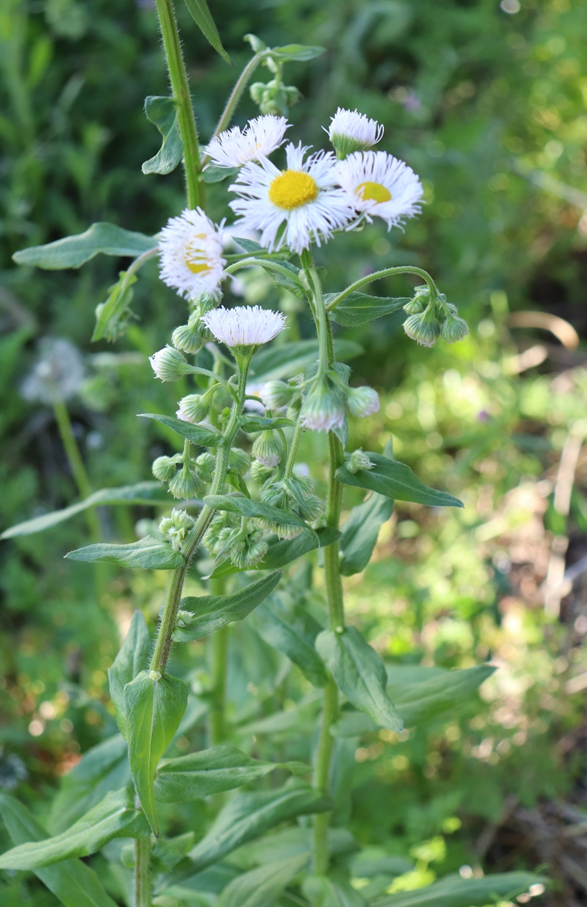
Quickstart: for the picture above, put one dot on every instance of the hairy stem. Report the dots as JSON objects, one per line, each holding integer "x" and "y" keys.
{"x": 379, "y": 275}
{"x": 142, "y": 873}
{"x": 185, "y": 111}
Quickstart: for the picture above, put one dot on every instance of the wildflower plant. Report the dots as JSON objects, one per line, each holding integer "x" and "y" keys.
{"x": 246, "y": 512}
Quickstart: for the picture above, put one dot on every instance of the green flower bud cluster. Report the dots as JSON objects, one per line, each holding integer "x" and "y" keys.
{"x": 261, "y": 473}
{"x": 274, "y": 97}
{"x": 358, "y": 461}
{"x": 176, "y": 527}
{"x": 294, "y": 496}
{"x": 239, "y": 540}
{"x": 185, "y": 476}
{"x": 430, "y": 319}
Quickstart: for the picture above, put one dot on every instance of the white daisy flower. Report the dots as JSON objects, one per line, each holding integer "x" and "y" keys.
{"x": 191, "y": 255}
{"x": 259, "y": 138}
{"x": 379, "y": 185}
{"x": 247, "y": 326}
{"x": 303, "y": 200}
{"x": 351, "y": 131}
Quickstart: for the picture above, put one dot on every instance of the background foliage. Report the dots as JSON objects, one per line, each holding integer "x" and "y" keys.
{"x": 487, "y": 104}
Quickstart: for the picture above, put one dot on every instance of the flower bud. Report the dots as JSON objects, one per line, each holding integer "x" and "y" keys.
{"x": 414, "y": 306}
{"x": 359, "y": 460}
{"x": 164, "y": 468}
{"x": 268, "y": 449}
{"x": 239, "y": 460}
{"x": 363, "y": 401}
{"x": 259, "y": 472}
{"x": 276, "y": 394}
{"x": 205, "y": 466}
{"x": 193, "y": 408}
{"x": 424, "y": 328}
{"x": 323, "y": 408}
{"x": 184, "y": 484}
{"x": 187, "y": 339}
{"x": 176, "y": 527}
{"x": 169, "y": 364}
{"x": 454, "y": 329}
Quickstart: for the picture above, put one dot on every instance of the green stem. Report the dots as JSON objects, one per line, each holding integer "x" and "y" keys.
{"x": 185, "y": 111}
{"x": 291, "y": 459}
{"x": 219, "y": 658}
{"x": 76, "y": 463}
{"x": 266, "y": 264}
{"x": 236, "y": 95}
{"x": 379, "y": 275}
{"x": 142, "y": 873}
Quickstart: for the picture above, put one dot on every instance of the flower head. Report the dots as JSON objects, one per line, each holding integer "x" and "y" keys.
{"x": 379, "y": 185}
{"x": 244, "y": 326}
{"x": 191, "y": 254}
{"x": 324, "y": 407}
{"x": 235, "y": 147}
{"x": 351, "y": 131}
{"x": 302, "y": 199}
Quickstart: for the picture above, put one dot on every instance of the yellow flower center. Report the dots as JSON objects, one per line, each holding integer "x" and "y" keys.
{"x": 292, "y": 189}
{"x": 373, "y": 192}
{"x": 194, "y": 256}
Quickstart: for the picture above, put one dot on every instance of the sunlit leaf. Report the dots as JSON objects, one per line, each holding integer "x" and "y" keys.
{"x": 162, "y": 113}
{"x": 74, "y": 251}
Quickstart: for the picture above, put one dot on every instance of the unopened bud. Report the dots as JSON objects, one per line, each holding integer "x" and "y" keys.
{"x": 193, "y": 408}
{"x": 414, "y": 306}
{"x": 268, "y": 449}
{"x": 184, "y": 484}
{"x": 164, "y": 468}
{"x": 324, "y": 407}
{"x": 259, "y": 472}
{"x": 205, "y": 466}
{"x": 239, "y": 460}
{"x": 276, "y": 394}
{"x": 363, "y": 401}
{"x": 169, "y": 364}
{"x": 454, "y": 329}
{"x": 187, "y": 339}
{"x": 424, "y": 328}
{"x": 358, "y": 461}
{"x": 176, "y": 527}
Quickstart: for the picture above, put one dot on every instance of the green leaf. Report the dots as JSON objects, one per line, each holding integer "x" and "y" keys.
{"x": 249, "y": 245}
{"x": 334, "y": 891}
{"x": 283, "y": 551}
{"x": 110, "y": 314}
{"x": 293, "y": 631}
{"x": 148, "y": 553}
{"x": 262, "y": 887}
{"x": 130, "y": 661}
{"x": 395, "y": 480}
{"x": 358, "y": 308}
{"x": 210, "y": 612}
{"x": 296, "y": 52}
{"x": 419, "y": 701}
{"x": 209, "y": 772}
{"x": 205, "y": 437}
{"x": 292, "y": 358}
{"x": 74, "y": 251}
{"x": 255, "y": 423}
{"x": 360, "y": 533}
{"x": 202, "y": 17}
{"x": 295, "y": 841}
{"x": 248, "y": 816}
{"x": 114, "y": 817}
{"x": 359, "y": 674}
{"x": 142, "y": 493}
{"x": 453, "y": 891}
{"x": 236, "y": 503}
{"x": 102, "y": 769}
{"x": 287, "y": 279}
{"x": 72, "y": 882}
{"x": 162, "y": 113}
{"x": 154, "y": 708}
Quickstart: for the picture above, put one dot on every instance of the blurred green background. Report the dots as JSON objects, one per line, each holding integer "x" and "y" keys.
{"x": 487, "y": 103}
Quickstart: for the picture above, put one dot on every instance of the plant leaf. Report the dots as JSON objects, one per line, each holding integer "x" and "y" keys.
{"x": 162, "y": 113}
{"x": 148, "y": 553}
{"x": 210, "y": 612}
{"x": 205, "y": 437}
{"x": 419, "y": 700}
{"x": 211, "y": 771}
{"x": 283, "y": 551}
{"x": 283, "y": 280}
{"x": 359, "y": 674}
{"x": 360, "y": 533}
{"x": 358, "y": 308}
{"x": 214, "y": 174}
{"x": 154, "y": 708}
{"x": 236, "y": 503}
{"x": 334, "y": 891}
{"x": 142, "y": 493}
{"x": 72, "y": 882}
{"x": 248, "y": 816}
{"x": 262, "y": 887}
{"x": 130, "y": 661}
{"x": 114, "y": 817}
{"x": 249, "y": 245}
{"x": 453, "y": 891}
{"x": 202, "y": 17}
{"x": 395, "y": 480}
{"x": 102, "y": 769}
{"x": 288, "y": 360}
{"x": 296, "y": 52}
{"x": 255, "y": 423}
{"x": 110, "y": 314}
{"x": 292, "y": 631}
{"x": 74, "y": 251}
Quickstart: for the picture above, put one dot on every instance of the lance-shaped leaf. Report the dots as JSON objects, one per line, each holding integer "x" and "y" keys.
{"x": 296, "y": 52}
{"x": 360, "y": 674}
{"x": 114, "y": 817}
{"x": 249, "y": 245}
{"x": 197, "y": 434}
{"x": 211, "y": 771}
{"x": 142, "y": 493}
{"x": 71, "y": 881}
{"x": 291, "y": 358}
{"x": 247, "y": 816}
{"x": 286, "y": 278}
{"x": 252, "y": 423}
{"x": 74, "y": 251}
{"x": 453, "y": 891}
{"x": 236, "y": 503}
{"x": 210, "y": 612}
{"x": 148, "y": 553}
{"x": 395, "y": 480}
{"x": 358, "y": 308}
{"x": 155, "y": 705}
{"x": 130, "y": 661}
{"x": 203, "y": 19}
{"x": 214, "y": 174}
{"x": 360, "y": 532}
{"x": 262, "y": 887}
{"x": 162, "y": 113}
{"x": 284, "y": 551}
{"x": 293, "y": 631}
